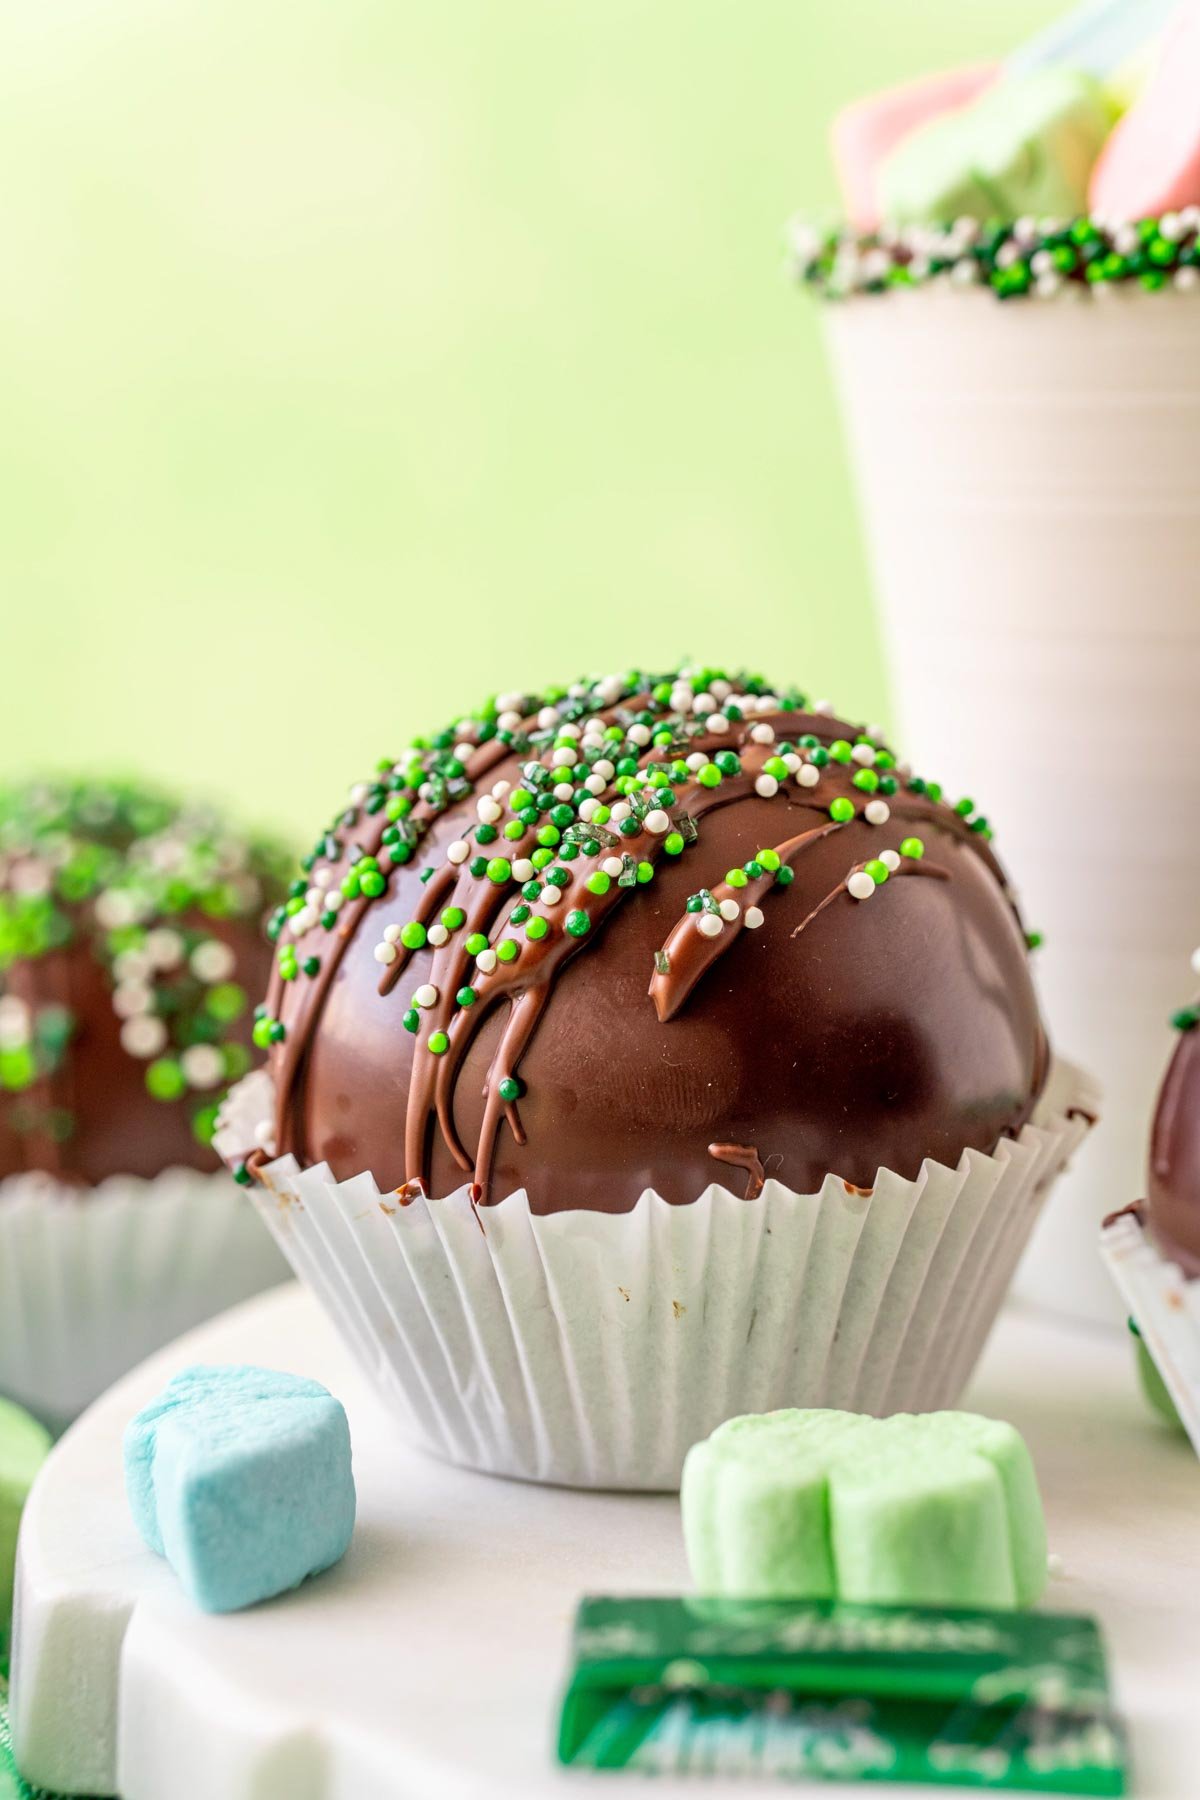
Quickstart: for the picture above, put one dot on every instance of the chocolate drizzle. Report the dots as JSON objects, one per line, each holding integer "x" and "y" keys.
{"x": 505, "y": 1002}
{"x": 742, "y": 1156}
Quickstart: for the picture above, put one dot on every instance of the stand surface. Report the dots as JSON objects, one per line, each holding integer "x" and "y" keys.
{"x": 429, "y": 1664}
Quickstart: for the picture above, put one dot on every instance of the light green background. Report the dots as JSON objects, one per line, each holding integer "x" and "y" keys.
{"x": 360, "y": 358}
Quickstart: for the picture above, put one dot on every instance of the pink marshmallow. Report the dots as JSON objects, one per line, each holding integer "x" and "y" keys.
{"x": 1151, "y": 163}
{"x": 867, "y": 130}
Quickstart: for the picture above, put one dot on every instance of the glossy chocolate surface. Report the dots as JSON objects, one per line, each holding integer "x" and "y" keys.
{"x": 1173, "y": 1210}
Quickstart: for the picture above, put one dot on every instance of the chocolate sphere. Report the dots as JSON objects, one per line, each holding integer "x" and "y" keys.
{"x": 652, "y": 931}
{"x": 131, "y": 952}
{"x": 1173, "y": 1195}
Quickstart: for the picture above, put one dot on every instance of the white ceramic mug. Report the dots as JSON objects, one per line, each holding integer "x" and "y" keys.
{"x": 1029, "y": 475}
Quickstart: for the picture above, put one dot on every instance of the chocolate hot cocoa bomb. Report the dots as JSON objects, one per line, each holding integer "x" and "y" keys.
{"x": 131, "y": 953}
{"x": 648, "y": 932}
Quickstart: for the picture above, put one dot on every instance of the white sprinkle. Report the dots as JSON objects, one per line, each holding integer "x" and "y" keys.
{"x": 144, "y": 1036}
{"x": 303, "y": 921}
{"x": 877, "y": 812}
{"x": 890, "y": 859}
{"x": 697, "y": 760}
{"x": 391, "y": 933}
{"x": 1196, "y": 961}
{"x": 766, "y": 785}
{"x": 464, "y": 751}
{"x": 612, "y": 865}
{"x": 639, "y": 735}
{"x": 358, "y": 793}
{"x": 602, "y": 766}
{"x": 762, "y": 734}
{"x": 657, "y": 821}
{"x": 822, "y": 706}
{"x": 808, "y": 775}
{"x": 132, "y": 998}
{"x": 766, "y": 703}
{"x": 718, "y": 722}
{"x": 1186, "y": 278}
{"x": 489, "y": 810}
{"x": 508, "y": 720}
{"x": 486, "y": 961}
{"x": 547, "y": 718}
{"x": 164, "y": 948}
{"x": 564, "y": 791}
{"x": 426, "y": 995}
{"x": 334, "y": 898}
{"x": 385, "y": 953}
{"x": 791, "y": 761}
{"x": 437, "y": 935}
{"x": 522, "y": 869}
{"x": 703, "y": 704}
{"x": 710, "y": 924}
{"x": 861, "y": 885}
{"x": 864, "y": 754}
{"x": 876, "y": 733}
{"x": 212, "y": 961}
{"x": 587, "y": 810}
{"x": 202, "y": 1065}
{"x": 753, "y": 918}
{"x": 621, "y": 811}
{"x": 315, "y": 897}
{"x": 500, "y": 788}
{"x": 15, "y": 1022}
{"x": 551, "y": 896}
{"x": 595, "y": 784}
{"x": 730, "y": 910}
{"x": 321, "y": 879}
{"x": 721, "y": 689}
{"x": 565, "y": 757}
{"x": 458, "y": 851}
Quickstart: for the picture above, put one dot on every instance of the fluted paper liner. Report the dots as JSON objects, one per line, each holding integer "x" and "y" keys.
{"x": 1164, "y": 1304}
{"x": 594, "y": 1349}
{"x": 93, "y": 1281}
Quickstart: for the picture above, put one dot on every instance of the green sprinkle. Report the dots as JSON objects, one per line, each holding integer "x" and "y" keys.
{"x": 866, "y": 779}
{"x": 507, "y": 950}
{"x": 549, "y": 836}
{"x": 413, "y": 935}
{"x": 509, "y": 1089}
{"x": 466, "y": 996}
{"x": 165, "y": 1079}
{"x": 673, "y": 843}
{"x": 1034, "y": 940}
{"x": 878, "y": 871}
{"x": 439, "y": 1043}
{"x": 785, "y": 876}
{"x": 541, "y": 859}
{"x": 453, "y": 917}
{"x": 519, "y": 799}
{"x": 486, "y": 834}
{"x": 475, "y": 943}
{"x": 478, "y": 867}
{"x": 645, "y": 872}
{"x": 537, "y": 928}
{"x": 577, "y": 922}
{"x": 913, "y": 847}
{"x": 514, "y": 830}
{"x": 709, "y": 776}
{"x": 598, "y": 882}
{"x": 736, "y": 878}
{"x": 841, "y": 751}
{"x": 841, "y": 809}
{"x": 373, "y": 884}
{"x": 499, "y": 869}
{"x": 728, "y": 762}
{"x": 412, "y": 1019}
{"x": 770, "y": 859}
{"x": 1186, "y": 1019}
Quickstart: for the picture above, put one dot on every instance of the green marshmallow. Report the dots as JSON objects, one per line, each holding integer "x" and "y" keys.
{"x": 940, "y": 1509}
{"x": 24, "y": 1446}
{"x": 1026, "y": 147}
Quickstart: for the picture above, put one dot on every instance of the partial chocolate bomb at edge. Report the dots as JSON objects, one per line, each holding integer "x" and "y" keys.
{"x": 660, "y": 935}
{"x": 131, "y": 954}
{"x": 1173, "y": 1201}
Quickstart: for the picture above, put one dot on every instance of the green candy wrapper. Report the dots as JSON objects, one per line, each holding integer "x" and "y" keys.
{"x": 792, "y": 1689}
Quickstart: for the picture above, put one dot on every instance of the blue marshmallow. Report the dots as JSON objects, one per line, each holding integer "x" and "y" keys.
{"x": 241, "y": 1478}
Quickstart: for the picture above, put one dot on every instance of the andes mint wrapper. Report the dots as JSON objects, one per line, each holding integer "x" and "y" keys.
{"x": 800, "y": 1689}
{"x": 1164, "y": 1308}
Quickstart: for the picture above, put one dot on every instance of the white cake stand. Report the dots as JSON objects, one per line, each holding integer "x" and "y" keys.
{"x": 429, "y": 1665}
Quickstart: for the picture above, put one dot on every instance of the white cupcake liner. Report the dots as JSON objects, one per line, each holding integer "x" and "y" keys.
{"x": 594, "y": 1349}
{"x": 1165, "y": 1306}
{"x": 93, "y": 1281}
